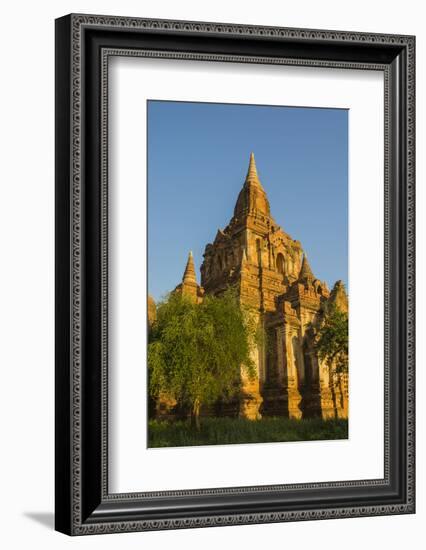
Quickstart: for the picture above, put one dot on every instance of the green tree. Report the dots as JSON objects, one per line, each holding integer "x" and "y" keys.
{"x": 331, "y": 343}
{"x": 196, "y": 351}
{"x": 332, "y": 339}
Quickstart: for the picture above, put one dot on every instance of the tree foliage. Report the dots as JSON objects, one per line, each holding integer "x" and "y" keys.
{"x": 332, "y": 340}
{"x": 196, "y": 352}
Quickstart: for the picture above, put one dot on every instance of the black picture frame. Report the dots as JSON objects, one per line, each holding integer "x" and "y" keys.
{"x": 83, "y": 45}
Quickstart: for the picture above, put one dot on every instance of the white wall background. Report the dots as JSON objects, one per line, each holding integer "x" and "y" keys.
{"x": 27, "y": 245}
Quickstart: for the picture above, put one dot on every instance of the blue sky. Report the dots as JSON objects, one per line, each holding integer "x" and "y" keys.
{"x": 198, "y": 155}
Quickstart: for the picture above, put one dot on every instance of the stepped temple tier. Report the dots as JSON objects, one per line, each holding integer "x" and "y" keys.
{"x": 272, "y": 274}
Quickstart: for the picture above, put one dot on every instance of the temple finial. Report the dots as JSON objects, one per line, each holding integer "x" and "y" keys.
{"x": 189, "y": 274}
{"x": 306, "y": 271}
{"x": 252, "y": 196}
{"x": 252, "y": 175}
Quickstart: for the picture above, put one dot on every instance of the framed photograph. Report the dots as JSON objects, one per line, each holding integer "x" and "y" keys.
{"x": 234, "y": 274}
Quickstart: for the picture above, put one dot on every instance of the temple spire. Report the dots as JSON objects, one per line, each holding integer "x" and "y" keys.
{"x": 339, "y": 297}
{"x": 252, "y": 196}
{"x": 189, "y": 274}
{"x": 306, "y": 271}
{"x": 252, "y": 175}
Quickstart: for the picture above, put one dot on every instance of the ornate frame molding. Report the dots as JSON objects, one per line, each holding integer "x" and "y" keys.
{"x": 86, "y": 507}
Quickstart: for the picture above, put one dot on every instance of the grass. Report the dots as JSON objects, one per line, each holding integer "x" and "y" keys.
{"x": 226, "y": 431}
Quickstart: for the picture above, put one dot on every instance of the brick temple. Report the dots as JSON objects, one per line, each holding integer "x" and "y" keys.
{"x": 272, "y": 274}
